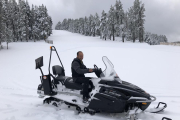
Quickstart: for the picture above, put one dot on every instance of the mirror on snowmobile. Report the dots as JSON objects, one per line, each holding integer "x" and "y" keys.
{"x": 39, "y": 62}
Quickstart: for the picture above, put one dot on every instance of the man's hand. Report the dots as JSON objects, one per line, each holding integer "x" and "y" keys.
{"x": 90, "y": 70}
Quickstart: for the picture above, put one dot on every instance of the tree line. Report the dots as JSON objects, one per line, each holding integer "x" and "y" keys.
{"x": 115, "y": 23}
{"x": 19, "y": 22}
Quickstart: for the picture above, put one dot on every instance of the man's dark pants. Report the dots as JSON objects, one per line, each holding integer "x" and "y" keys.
{"x": 85, "y": 81}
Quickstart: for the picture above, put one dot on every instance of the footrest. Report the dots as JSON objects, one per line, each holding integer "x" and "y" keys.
{"x": 157, "y": 109}
{"x": 165, "y": 105}
{"x": 165, "y": 118}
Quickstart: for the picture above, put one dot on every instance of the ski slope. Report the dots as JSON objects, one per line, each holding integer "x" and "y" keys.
{"x": 156, "y": 69}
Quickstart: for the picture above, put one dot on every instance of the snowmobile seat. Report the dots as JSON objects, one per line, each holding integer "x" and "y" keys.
{"x": 67, "y": 81}
{"x": 58, "y": 70}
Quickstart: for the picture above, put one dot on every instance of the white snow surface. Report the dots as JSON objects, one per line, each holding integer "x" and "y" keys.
{"x": 156, "y": 69}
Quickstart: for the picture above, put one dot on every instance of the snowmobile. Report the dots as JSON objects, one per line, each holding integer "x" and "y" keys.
{"x": 110, "y": 94}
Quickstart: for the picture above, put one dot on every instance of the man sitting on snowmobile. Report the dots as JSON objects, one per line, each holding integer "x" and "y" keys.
{"x": 78, "y": 70}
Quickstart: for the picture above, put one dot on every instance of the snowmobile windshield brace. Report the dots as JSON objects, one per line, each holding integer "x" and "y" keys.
{"x": 52, "y": 48}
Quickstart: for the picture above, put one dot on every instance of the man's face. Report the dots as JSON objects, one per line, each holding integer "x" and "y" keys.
{"x": 80, "y": 56}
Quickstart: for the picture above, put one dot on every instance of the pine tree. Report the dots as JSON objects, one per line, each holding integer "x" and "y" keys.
{"x": 27, "y": 20}
{"x": 141, "y": 22}
{"x": 103, "y": 25}
{"x": 3, "y": 20}
{"x": 93, "y": 26}
{"x": 44, "y": 22}
{"x": 22, "y": 20}
{"x": 49, "y": 27}
{"x": 7, "y": 35}
{"x": 81, "y": 25}
{"x": 58, "y": 26}
{"x": 136, "y": 16}
{"x": 132, "y": 24}
{"x": 14, "y": 19}
{"x": 119, "y": 15}
{"x": 32, "y": 24}
{"x": 1, "y": 32}
{"x": 111, "y": 22}
{"x": 36, "y": 31}
{"x": 97, "y": 24}
{"x": 90, "y": 25}
{"x": 86, "y": 31}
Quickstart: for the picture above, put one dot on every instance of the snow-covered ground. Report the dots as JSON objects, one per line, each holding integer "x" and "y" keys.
{"x": 156, "y": 69}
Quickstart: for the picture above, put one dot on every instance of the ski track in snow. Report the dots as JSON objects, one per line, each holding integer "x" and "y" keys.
{"x": 156, "y": 69}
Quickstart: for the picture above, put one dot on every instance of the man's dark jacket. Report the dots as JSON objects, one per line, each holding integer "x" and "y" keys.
{"x": 78, "y": 68}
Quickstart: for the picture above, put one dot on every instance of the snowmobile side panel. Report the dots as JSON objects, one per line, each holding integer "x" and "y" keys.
{"x": 105, "y": 103}
{"x": 113, "y": 92}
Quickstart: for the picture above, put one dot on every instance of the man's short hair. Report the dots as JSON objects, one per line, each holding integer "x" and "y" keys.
{"x": 79, "y": 52}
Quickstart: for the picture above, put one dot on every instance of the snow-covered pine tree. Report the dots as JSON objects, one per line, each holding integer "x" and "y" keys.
{"x": 86, "y": 23}
{"x": 14, "y": 19}
{"x": 136, "y": 15}
{"x": 64, "y": 24}
{"x": 32, "y": 23}
{"x": 132, "y": 24}
{"x": 154, "y": 39}
{"x": 3, "y": 20}
{"x": 7, "y": 35}
{"x": 36, "y": 24}
{"x": 49, "y": 27}
{"x": 44, "y": 22}
{"x": 27, "y": 20}
{"x": 1, "y": 23}
{"x": 90, "y": 25}
{"x": 119, "y": 14}
{"x": 111, "y": 23}
{"x": 97, "y": 24}
{"x": 141, "y": 21}
{"x": 76, "y": 26}
{"x": 81, "y": 25}
{"x": 69, "y": 23}
{"x": 22, "y": 20}
{"x": 93, "y": 26}
{"x": 50, "y": 23}
{"x": 71, "y": 26}
{"x": 103, "y": 25}
{"x": 136, "y": 9}
{"x": 125, "y": 30}
{"x": 58, "y": 26}
{"x": 40, "y": 20}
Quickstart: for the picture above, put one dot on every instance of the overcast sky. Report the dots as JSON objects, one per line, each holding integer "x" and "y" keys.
{"x": 162, "y": 16}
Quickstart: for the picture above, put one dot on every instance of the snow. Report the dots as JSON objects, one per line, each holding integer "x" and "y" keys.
{"x": 156, "y": 69}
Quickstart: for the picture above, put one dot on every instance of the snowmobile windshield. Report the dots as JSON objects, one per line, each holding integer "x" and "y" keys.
{"x": 109, "y": 73}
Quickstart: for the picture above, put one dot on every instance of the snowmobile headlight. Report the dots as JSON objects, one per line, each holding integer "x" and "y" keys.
{"x": 146, "y": 92}
{"x": 117, "y": 76}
